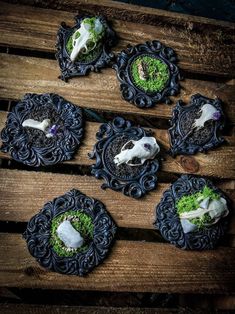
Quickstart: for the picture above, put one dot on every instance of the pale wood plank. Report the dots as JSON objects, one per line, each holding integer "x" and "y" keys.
{"x": 131, "y": 266}
{"x": 36, "y": 29}
{"x": 23, "y": 194}
{"x": 202, "y": 164}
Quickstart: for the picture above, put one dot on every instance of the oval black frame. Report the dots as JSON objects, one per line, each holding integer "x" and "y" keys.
{"x": 37, "y": 234}
{"x": 178, "y": 143}
{"x": 15, "y": 140}
{"x": 135, "y": 187}
{"x": 168, "y": 222}
{"x": 71, "y": 69}
{"x": 133, "y": 94}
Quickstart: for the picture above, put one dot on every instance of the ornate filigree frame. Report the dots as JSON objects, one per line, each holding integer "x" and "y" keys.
{"x": 71, "y": 69}
{"x": 180, "y": 144}
{"x": 130, "y": 92}
{"x": 37, "y": 234}
{"x": 168, "y": 222}
{"x": 137, "y": 186}
{"x": 15, "y": 138}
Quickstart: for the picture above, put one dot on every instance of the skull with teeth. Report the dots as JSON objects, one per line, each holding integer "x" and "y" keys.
{"x": 143, "y": 149}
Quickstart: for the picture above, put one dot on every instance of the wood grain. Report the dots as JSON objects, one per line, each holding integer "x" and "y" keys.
{"x": 207, "y": 52}
{"x": 20, "y": 75}
{"x": 204, "y": 164}
{"x": 131, "y": 266}
{"x": 64, "y": 309}
{"x": 23, "y": 194}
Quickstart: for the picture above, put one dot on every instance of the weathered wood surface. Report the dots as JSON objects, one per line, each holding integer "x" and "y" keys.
{"x": 134, "y": 266}
{"x": 202, "y": 164}
{"x": 20, "y": 75}
{"x": 63, "y": 309}
{"x": 23, "y": 194}
{"x": 207, "y": 52}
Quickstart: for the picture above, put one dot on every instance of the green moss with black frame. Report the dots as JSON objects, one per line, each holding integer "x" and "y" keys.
{"x": 81, "y": 223}
{"x": 149, "y": 73}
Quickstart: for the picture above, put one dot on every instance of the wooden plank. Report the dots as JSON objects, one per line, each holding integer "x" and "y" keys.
{"x": 202, "y": 164}
{"x": 23, "y": 193}
{"x": 64, "y": 309}
{"x": 35, "y": 28}
{"x": 20, "y": 75}
{"x": 161, "y": 268}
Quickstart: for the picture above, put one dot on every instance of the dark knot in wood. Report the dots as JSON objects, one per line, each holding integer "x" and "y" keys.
{"x": 189, "y": 164}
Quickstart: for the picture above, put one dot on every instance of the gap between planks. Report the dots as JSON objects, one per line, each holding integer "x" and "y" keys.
{"x": 201, "y": 164}
{"x": 23, "y": 194}
{"x": 131, "y": 266}
{"x": 36, "y": 28}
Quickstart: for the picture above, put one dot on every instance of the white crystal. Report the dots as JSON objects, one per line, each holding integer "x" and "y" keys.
{"x": 207, "y": 111}
{"x": 31, "y": 123}
{"x": 143, "y": 149}
{"x": 204, "y": 204}
{"x": 187, "y": 225}
{"x": 69, "y": 236}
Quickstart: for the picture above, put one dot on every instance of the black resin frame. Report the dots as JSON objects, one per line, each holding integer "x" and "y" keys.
{"x": 71, "y": 69}
{"x": 168, "y": 222}
{"x": 179, "y": 143}
{"x": 37, "y": 234}
{"x": 135, "y": 186}
{"x": 129, "y": 90}
{"x": 15, "y": 138}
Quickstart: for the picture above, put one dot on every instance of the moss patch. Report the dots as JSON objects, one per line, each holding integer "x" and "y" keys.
{"x": 191, "y": 202}
{"x": 81, "y": 222}
{"x": 157, "y": 74}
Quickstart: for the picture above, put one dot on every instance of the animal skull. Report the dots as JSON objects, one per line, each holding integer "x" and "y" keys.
{"x": 69, "y": 236}
{"x": 86, "y": 35}
{"x": 215, "y": 208}
{"x": 208, "y": 112}
{"x": 145, "y": 148}
{"x": 43, "y": 126}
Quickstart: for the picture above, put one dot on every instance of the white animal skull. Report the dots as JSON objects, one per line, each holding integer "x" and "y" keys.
{"x": 69, "y": 236}
{"x": 42, "y": 126}
{"x": 208, "y": 112}
{"x": 145, "y": 148}
{"x": 85, "y": 37}
{"x": 215, "y": 208}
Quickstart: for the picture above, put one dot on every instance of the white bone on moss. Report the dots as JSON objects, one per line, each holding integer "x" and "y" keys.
{"x": 42, "y": 126}
{"x": 69, "y": 236}
{"x": 216, "y": 208}
{"x": 85, "y": 37}
{"x": 207, "y": 113}
{"x": 143, "y": 149}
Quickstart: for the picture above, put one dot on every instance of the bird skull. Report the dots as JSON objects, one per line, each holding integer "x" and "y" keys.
{"x": 143, "y": 149}
{"x": 208, "y": 112}
{"x": 85, "y": 35}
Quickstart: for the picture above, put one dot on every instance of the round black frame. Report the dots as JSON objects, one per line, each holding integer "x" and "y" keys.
{"x": 133, "y": 94}
{"x": 37, "y": 234}
{"x": 179, "y": 144}
{"x": 71, "y": 69}
{"x": 15, "y": 139}
{"x": 135, "y": 187}
{"x": 168, "y": 222}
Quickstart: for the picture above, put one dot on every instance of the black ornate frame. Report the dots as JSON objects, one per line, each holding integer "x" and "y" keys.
{"x": 136, "y": 186}
{"x": 70, "y": 69}
{"x": 168, "y": 222}
{"x": 129, "y": 90}
{"x": 37, "y": 234}
{"x": 179, "y": 142}
{"x": 15, "y": 138}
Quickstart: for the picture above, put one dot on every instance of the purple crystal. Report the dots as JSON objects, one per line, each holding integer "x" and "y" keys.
{"x": 53, "y": 130}
{"x": 216, "y": 115}
{"x": 147, "y": 146}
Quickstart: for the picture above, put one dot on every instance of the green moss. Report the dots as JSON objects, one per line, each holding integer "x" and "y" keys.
{"x": 158, "y": 74}
{"x": 93, "y": 53}
{"x": 191, "y": 202}
{"x": 81, "y": 222}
